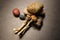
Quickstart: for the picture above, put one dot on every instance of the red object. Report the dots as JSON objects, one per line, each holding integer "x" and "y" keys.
{"x": 16, "y": 12}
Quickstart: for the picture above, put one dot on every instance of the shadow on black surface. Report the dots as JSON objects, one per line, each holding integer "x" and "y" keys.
{"x": 38, "y": 27}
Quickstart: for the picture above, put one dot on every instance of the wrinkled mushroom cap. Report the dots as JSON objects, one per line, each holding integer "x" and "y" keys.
{"x": 33, "y": 8}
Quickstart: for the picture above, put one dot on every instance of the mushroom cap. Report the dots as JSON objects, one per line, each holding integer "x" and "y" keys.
{"x": 33, "y": 8}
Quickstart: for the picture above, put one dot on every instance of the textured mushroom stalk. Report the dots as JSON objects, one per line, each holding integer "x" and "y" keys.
{"x": 17, "y": 30}
{"x": 25, "y": 28}
{"x": 22, "y": 28}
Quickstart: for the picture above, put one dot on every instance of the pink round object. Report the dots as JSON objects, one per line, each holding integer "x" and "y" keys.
{"x": 16, "y": 12}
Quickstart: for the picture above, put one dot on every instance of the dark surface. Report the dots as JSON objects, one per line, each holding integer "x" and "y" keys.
{"x": 51, "y": 24}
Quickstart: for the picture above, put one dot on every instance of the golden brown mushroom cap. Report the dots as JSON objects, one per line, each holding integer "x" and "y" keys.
{"x": 33, "y": 8}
